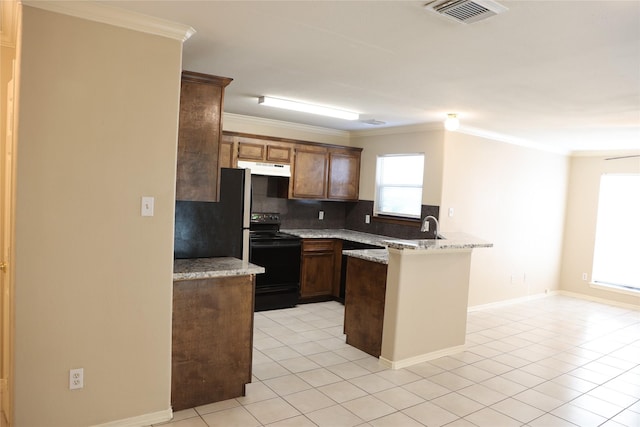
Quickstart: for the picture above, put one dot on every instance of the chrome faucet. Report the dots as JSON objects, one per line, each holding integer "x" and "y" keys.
{"x": 425, "y": 224}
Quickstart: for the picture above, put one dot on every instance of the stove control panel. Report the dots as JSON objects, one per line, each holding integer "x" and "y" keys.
{"x": 265, "y": 218}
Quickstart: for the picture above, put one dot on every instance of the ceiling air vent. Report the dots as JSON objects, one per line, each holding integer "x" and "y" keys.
{"x": 466, "y": 11}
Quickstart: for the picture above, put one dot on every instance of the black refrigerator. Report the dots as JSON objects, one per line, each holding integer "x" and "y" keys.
{"x": 216, "y": 229}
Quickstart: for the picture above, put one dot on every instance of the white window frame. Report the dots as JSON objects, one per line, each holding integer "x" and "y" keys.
{"x": 617, "y": 236}
{"x": 380, "y": 186}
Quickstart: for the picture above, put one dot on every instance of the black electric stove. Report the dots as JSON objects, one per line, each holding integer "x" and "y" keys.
{"x": 279, "y": 254}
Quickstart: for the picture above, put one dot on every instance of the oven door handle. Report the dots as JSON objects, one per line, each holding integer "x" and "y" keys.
{"x": 272, "y": 244}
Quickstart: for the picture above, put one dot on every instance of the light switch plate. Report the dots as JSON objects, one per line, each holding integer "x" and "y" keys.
{"x": 146, "y": 208}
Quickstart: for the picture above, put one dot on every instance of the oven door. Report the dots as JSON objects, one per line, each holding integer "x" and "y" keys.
{"x": 279, "y": 285}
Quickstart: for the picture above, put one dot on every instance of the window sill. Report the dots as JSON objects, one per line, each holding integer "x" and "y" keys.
{"x": 614, "y": 288}
{"x": 397, "y": 220}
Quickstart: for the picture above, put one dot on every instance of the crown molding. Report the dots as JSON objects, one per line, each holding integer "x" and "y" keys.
{"x": 395, "y": 130}
{"x": 495, "y": 136}
{"x": 98, "y": 12}
{"x": 231, "y": 119}
{"x": 605, "y": 153}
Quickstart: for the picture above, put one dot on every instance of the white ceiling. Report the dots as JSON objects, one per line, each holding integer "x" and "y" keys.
{"x": 564, "y": 75}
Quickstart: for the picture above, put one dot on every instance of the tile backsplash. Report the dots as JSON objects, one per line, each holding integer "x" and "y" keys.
{"x": 269, "y": 195}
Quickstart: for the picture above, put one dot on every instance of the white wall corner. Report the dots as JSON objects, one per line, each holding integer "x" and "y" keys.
{"x": 98, "y": 12}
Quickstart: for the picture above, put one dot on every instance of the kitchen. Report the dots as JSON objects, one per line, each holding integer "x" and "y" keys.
{"x": 310, "y": 270}
{"x": 76, "y": 278}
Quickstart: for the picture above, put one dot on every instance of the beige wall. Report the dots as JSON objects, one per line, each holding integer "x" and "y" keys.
{"x": 509, "y": 195}
{"x": 513, "y": 197}
{"x": 97, "y": 130}
{"x": 407, "y": 140}
{"x": 580, "y": 223}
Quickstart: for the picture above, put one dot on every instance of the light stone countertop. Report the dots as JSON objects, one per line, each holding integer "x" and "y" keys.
{"x": 381, "y": 256}
{"x": 206, "y": 268}
{"x": 450, "y": 241}
{"x": 339, "y": 233}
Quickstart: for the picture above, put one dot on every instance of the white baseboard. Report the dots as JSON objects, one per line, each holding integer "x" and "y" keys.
{"x": 511, "y": 301}
{"x": 551, "y": 293}
{"x": 599, "y": 300}
{"x": 141, "y": 420}
{"x": 399, "y": 364}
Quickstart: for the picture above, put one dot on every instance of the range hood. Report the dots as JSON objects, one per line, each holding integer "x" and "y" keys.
{"x": 269, "y": 169}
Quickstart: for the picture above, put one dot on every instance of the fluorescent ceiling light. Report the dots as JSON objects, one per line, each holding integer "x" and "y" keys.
{"x": 307, "y": 108}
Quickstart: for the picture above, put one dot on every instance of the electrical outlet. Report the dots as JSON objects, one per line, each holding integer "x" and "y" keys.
{"x": 367, "y": 219}
{"x": 450, "y": 212}
{"x": 76, "y": 378}
{"x": 321, "y": 215}
{"x": 584, "y": 276}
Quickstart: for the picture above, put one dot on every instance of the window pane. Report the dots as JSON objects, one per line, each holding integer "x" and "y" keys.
{"x": 404, "y": 200}
{"x": 402, "y": 170}
{"x": 399, "y": 185}
{"x": 617, "y": 253}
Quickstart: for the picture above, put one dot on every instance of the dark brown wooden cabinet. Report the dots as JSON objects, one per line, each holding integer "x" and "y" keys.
{"x": 228, "y": 156}
{"x": 344, "y": 174}
{"x": 264, "y": 150}
{"x": 212, "y": 340}
{"x": 199, "y": 133}
{"x": 318, "y": 171}
{"x": 364, "y": 304}
{"x": 320, "y": 270}
{"x": 331, "y": 173}
{"x": 309, "y": 176}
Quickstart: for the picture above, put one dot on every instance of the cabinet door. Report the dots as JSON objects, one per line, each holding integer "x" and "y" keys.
{"x": 309, "y": 180}
{"x": 278, "y": 154}
{"x": 250, "y": 150}
{"x": 364, "y": 304}
{"x": 344, "y": 175}
{"x": 211, "y": 340}
{"x": 318, "y": 268}
{"x": 227, "y": 146}
{"x": 199, "y": 132}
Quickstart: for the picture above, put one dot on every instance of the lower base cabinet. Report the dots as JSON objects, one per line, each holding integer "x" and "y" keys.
{"x": 212, "y": 340}
{"x": 364, "y": 304}
{"x": 320, "y": 270}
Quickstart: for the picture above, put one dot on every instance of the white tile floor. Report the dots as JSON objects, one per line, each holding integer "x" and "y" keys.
{"x": 555, "y": 361}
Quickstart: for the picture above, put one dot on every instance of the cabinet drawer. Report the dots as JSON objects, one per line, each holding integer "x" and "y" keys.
{"x": 318, "y": 245}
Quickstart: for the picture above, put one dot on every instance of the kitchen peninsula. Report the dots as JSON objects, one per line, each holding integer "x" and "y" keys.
{"x": 212, "y": 330}
{"x": 424, "y": 303}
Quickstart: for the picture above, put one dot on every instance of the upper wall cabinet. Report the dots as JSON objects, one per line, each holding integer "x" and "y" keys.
{"x": 344, "y": 174}
{"x": 228, "y": 154}
{"x": 325, "y": 173}
{"x": 318, "y": 171}
{"x": 263, "y": 150}
{"x": 309, "y": 177}
{"x": 199, "y": 133}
